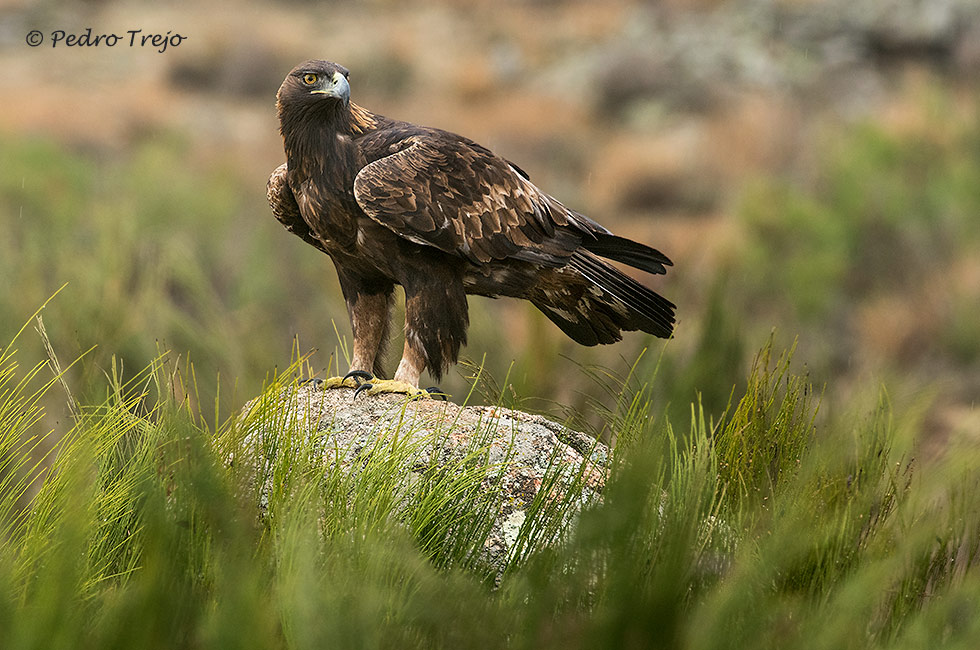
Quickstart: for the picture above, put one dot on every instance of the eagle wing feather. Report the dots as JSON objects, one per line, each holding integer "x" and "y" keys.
{"x": 442, "y": 190}
{"x": 286, "y": 209}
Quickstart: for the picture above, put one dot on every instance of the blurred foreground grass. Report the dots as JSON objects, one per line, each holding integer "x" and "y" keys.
{"x": 761, "y": 529}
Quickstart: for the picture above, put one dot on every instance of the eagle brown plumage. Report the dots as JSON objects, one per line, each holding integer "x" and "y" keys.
{"x": 396, "y": 203}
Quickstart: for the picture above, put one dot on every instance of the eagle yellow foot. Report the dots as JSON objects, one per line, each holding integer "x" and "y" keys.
{"x": 332, "y": 382}
{"x": 378, "y": 386}
{"x": 374, "y": 386}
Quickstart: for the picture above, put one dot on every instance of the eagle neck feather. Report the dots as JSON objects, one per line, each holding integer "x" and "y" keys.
{"x": 318, "y": 141}
{"x": 315, "y": 145}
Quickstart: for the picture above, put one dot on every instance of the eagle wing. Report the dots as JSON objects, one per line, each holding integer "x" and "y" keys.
{"x": 442, "y": 190}
{"x": 286, "y": 209}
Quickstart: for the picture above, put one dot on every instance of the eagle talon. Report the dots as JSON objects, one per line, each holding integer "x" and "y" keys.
{"x": 436, "y": 393}
{"x": 316, "y": 381}
{"x": 362, "y": 388}
{"x": 358, "y": 375}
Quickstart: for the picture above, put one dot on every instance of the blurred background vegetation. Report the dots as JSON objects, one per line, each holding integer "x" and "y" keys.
{"x": 811, "y": 167}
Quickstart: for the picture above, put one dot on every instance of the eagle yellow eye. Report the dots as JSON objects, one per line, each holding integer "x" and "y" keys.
{"x": 309, "y": 78}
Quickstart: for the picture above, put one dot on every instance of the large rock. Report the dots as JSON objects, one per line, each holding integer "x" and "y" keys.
{"x": 517, "y": 454}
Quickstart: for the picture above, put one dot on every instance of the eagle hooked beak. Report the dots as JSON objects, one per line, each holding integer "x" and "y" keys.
{"x": 336, "y": 86}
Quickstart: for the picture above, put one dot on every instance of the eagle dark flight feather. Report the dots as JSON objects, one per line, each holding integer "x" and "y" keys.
{"x": 396, "y": 203}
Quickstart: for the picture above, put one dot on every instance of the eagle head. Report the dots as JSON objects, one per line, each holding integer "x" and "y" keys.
{"x": 315, "y": 82}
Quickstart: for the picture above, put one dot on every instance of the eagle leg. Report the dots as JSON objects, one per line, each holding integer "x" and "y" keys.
{"x": 369, "y": 308}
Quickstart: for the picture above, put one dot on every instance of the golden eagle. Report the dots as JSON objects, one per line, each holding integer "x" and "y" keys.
{"x": 396, "y": 203}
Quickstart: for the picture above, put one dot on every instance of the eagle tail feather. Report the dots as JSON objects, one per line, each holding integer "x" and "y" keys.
{"x": 611, "y": 302}
{"x": 629, "y": 252}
